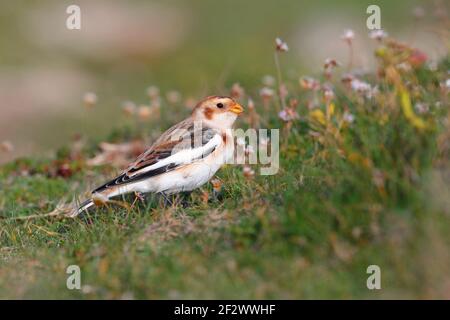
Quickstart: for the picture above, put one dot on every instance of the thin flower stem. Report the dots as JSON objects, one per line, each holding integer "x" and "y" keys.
{"x": 280, "y": 81}
{"x": 350, "y": 62}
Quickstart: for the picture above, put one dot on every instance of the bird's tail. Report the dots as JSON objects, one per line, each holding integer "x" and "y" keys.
{"x": 84, "y": 206}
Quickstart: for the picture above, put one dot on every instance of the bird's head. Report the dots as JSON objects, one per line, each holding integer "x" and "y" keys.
{"x": 217, "y": 112}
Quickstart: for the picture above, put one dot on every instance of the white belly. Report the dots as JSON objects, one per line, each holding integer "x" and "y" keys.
{"x": 194, "y": 176}
{"x": 186, "y": 178}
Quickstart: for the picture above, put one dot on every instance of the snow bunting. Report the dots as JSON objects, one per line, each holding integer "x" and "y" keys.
{"x": 184, "y": 158}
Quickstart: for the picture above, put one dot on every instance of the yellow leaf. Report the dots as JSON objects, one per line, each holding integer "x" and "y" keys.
{"x": 318, "y": 116}
{"x": 405, "y": 101}
{"x": 330, "y": 109}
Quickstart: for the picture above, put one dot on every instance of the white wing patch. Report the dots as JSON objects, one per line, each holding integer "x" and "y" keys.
{"x": 183, "y": 156}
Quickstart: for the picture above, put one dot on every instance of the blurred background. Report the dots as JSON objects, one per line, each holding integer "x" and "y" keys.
{"x": 187, "y": 49}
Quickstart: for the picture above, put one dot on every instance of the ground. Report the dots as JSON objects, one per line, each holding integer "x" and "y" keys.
{"x": 363, "y": 180}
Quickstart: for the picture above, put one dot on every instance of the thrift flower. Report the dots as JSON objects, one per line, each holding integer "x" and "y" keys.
{"x": 280, "y": 45}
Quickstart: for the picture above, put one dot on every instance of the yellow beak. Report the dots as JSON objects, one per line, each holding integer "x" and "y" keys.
{"x": 236, "y": 108}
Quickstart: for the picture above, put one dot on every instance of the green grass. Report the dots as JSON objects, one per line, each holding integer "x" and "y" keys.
{"x": 349, "y": 196}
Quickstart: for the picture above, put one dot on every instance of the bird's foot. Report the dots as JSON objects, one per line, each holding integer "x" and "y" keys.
{"x": 138, "y": 196}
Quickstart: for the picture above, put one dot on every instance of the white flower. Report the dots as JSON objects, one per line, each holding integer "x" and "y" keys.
{"x": 363, "y": 88}
{"x": 268, "y": 81}
{"x": 153, "y": 92}
{"x": 129, "y": 108}
{"x": 447, "y": 83}
{"x": 348, "y": 117}
{"x": 404, "y": 66}
{"x": 280, "y": 45}
{"x": 250, "y": 104}
{"x": 360, "y": 86}
{"x": 421, "y": 107}
{"x": 288, "y": 114}
{"x": 309, "y": 83}
{"x": 266, "y": 93}
{"x": 348, "y": 36}
{"x": 89, "y": 99}
{"x": 378, "y": 34}
{"x": 328, "y": 93}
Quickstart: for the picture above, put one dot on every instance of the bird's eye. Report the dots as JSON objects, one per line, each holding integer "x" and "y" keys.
{"x": 219, "y": 105}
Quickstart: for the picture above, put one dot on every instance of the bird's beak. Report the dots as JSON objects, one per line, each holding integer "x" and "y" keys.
{"x": 236, "y": 108}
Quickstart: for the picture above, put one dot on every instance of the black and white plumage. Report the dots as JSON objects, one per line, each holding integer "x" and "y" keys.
{"x": 184, "y": 157}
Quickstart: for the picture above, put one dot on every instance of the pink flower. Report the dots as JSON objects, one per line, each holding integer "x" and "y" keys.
{"x": 348, "y": 117}
{"x": 288, "y": 114}
{"x": 328, "y": 94}
{"x": 331, "y": 63}
{"x": 280, "y": 45}
{"x": 309, "y": 83}
{"x": 378, "y": 34}
{"x": 248, "y": 172}
{"x": 237, "y": 91}
{"x": 348, "y": 36}
{"x": 266, "y": 93}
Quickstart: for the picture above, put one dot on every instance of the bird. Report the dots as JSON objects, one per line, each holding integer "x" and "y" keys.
{"x": 183, "y": 158}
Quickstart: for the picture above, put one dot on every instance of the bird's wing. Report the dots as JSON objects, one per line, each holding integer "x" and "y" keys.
{"x": 178, "y": 146}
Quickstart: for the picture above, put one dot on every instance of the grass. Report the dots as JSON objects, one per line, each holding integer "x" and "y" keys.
{"x": 363, "y": 180}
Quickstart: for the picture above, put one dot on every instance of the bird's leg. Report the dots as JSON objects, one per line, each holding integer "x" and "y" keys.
{"x": 167, "y": 201}
{"x": 138, "y": 196}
